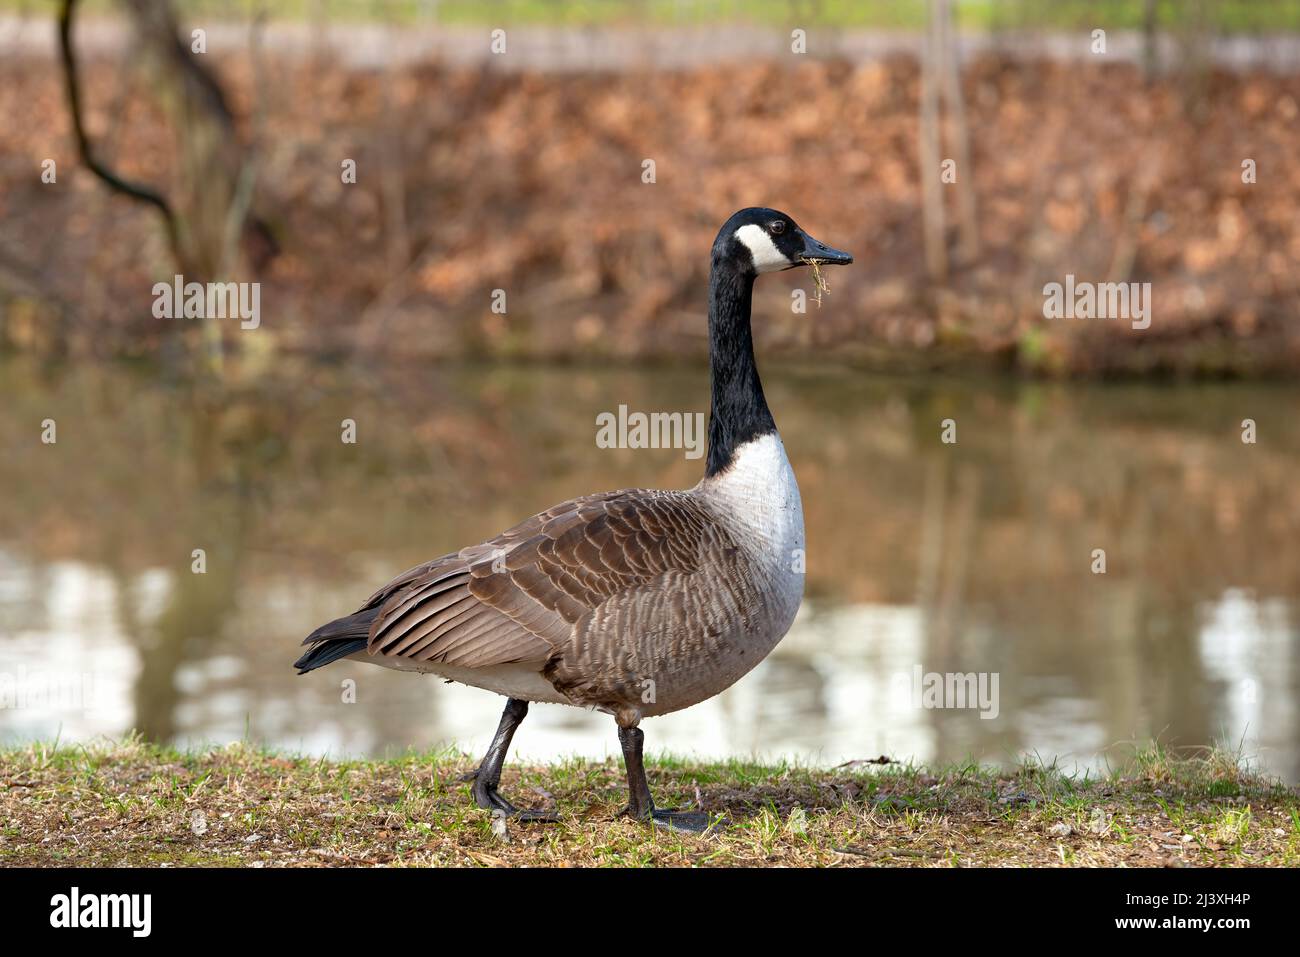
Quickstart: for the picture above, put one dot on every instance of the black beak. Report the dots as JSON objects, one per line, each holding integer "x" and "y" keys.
{"x": 818, "y": 251}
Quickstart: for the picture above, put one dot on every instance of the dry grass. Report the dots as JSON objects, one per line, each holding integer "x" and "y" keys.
{"x": 131, "y": 803}
{"x": 819, "y": 281}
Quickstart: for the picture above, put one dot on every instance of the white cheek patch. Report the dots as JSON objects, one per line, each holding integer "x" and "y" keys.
{"x": 767, "y": 258}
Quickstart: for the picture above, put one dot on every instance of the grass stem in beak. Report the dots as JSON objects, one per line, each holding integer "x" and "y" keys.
{"x": 818, "y": 279}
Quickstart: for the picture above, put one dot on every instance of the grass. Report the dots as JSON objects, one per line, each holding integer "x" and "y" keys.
{"x": 1233, "y": 16}
{"x": 819, "y": 281}
{"x": 130, "y": 803}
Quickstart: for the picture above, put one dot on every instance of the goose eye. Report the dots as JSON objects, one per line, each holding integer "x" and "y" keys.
{"x": 778, "y": 227}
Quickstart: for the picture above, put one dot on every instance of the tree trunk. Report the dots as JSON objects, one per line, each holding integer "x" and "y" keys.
{"x": 967, "y": 217}
{"x": 932, "y": 216}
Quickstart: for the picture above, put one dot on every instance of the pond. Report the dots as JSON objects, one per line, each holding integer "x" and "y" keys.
{"x": 1104, "y": 564}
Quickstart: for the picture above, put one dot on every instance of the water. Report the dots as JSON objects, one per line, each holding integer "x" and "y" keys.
{"x": 922, "y": 557}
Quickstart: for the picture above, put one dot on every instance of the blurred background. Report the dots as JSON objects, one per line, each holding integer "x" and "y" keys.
{"x": 517, "y": 162}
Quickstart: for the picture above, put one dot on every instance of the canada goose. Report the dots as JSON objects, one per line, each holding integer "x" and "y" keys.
{"x": 638, "y": 602}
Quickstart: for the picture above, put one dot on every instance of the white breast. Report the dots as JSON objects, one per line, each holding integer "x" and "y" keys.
{"x": 759, "y": 497}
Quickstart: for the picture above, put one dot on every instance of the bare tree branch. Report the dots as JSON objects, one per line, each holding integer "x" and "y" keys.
{"x": 103, "y": 172}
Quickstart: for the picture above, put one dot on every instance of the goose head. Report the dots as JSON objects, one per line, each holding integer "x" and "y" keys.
{"x": 758, "y": 240}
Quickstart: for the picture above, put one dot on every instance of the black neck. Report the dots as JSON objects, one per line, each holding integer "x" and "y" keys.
{"x": 739, "y": 411}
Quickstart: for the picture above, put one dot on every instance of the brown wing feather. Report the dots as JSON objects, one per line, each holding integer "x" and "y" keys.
{"x": 518, "y": 597}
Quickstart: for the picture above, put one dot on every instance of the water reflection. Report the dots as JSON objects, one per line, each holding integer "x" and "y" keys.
{"x": 923, "y": 558}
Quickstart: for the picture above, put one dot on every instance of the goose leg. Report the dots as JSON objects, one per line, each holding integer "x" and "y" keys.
{"x": 488, "y": 775}
{"x": 640, "y": 805}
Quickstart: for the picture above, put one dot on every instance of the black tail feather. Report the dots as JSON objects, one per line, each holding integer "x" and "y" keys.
{"x": 336, "y": 639}
{"x": 326, "y": 652}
